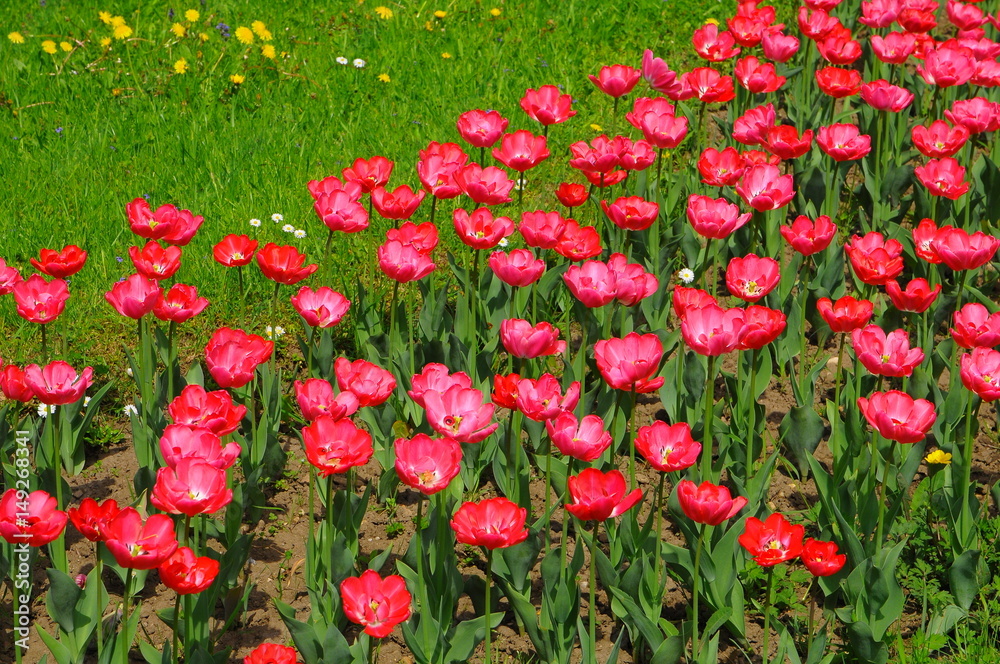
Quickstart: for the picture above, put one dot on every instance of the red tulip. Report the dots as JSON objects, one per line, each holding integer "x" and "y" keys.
{"x": 376, "y": 603}
{"x": 659, "y": 76}
{"x": 965, "y": 17}
{"x": 504, "y": 392}
{"x": 138, "y": 545}
{"x": 631, "y": 362}
{"x": 602, "y": 155}
{"x": 547, "y": 105}
{"x": 816, "y": 24}
{"x": 370, "y": 383}
{"x": 485, "y": 186}
{"x": 369, "y": 174}
{"x": 436, "y": 169}
{"x": 155, "y": 262}
{"x": 761, "y": 326}
{"x": 821, "y": 558}
{"x": 183, "y": 441}
{"x": 521, "y": 151}
{"x": 57, "y": 383}
{"x": 584, "y": 439}
{"x": 943, "y": 177}
{"x": 92, "y": 519}
{"x": 763, "y": 188}
{"x": 686, "y": 299}
{"x": 340, "y": 211}
{"x": 712, "y": 330}
{"x": 978, "y": 115}
{"x": 422, "y": 237}
{"x": 524, "y": 340}
{"x": 187, "y": 574}
{"x": 215, "y": 411}
{"x": 316, "y": 399}
{"x": 494, "y": 523}
{"x": 134, "y": 297}
{"x": 838, "y": 48}
{"x": 40, "y": 301}
{"x": 541, "y": 400}
{"x": 846, "y": 314}
{"x": 9, "y": 277}
{"x": 917, "y": 297}
{"x": 961, "y": 250}
{"x": 481, "y": 129}
{"x": 541, "y": 229}
{"x": 636, "y": 155}
{"x": 751, "y": 127}
{"x": 578, "y": 242}
{"x": 179, "y": 304}
{"x": 518, "y": 268}
{"x": 481, "y": 230}
{"x": 335, "y": 446}
{"x": 779, "y": 47}
{"x": 658, "y": 123}
{"x": 427, "y": 464}
{"x": 60, "y": 264}
{"x": 809, "y": 237}
{"x": 838, "y": 83}
{"x": 616, "y": 80}
{"x": 712, "y": 45}
{"x": 147, "y": 224}
{"x": 571, "y": 194}
{"x": 323, "y": 307}
{"x": 843, "y": 142}
{"x": 330, "y": 184}
{"x": 460, "y": 413}
{"x": 598, "y": 496}
{"x": 883, "y": 96}
{"x": 193, "y": 487}
{"x": 772, "y": 541}
{"x": 714, "y": 218}
{"x": 974, "y": 327}
{"x": 235, "y": 250}
{"x": 756, "y": 76}
{"x": 879, "y": 14}
{"x": 708, "y": 85}
{"x": 593, "y": 283}
{"x": 981, "y": 373}
{"x": 747, "y": 30}
{"x": 708, "y": 503}
{"x": 886, "y": 354}
{"x": 759, "y": 157}
{"x": 784, "y": 141}
{"x": 750, "y": 278}
{"x": 667, "y": 447}
{"x": 13, "y": 384}
{"x": 721, "y": 169}
{"x": 631, "y": 212}
{"x": 875, "y": 261}
{"x": 400, "y": 203}
{"x": 232, "y": 356}
{"x": 402, "y": 262}
{"x": 923, "y": 238}
{"x": 898, "y": 416}
{"x": 939, "y": 139}
{"x": 284, "y": 264}
{"x": 946, "y": 66}
{"x": 32, "y": 519}
{"x": 632, "y": 283}
{"x": 272, "y": 653}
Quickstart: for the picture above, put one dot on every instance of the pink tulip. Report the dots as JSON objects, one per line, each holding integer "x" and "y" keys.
{"x": 593, "y": 283}
{"x": 323, "y": 307}
{"x": 232, "y": 356}
{"x": 632, "y": 283}
{"x": 886, "y": 354}
{"x": 763, "y": 188}
{"x": 341, "y": 211}
{"x": 708, "y": 503}
{"x": 667, "y": 447}
{"x": 316, "y": 399}
{"x": 751, "y": 277}
{"x": 712, "y": 330}
{"x": 521, "y": 151}
{"x": 37, "y": 300}
{"x": 57, "y": 383}
{"x": 481, "y": 129}
{"x": 215, "y": 411}
{"x": 981, "y": 373}
{"x": 179, "y": 304}
{"x": 435, "y": 377}
{"x": 427, "y": 464}
{"x": 809, "y": 237}
{"x": 547, "y": 105}
{"x": 369, "y": 174}
{"x": 370, "y": 383}
{"x": 616, "y": 80}
{"x": 542, "y": 399}
{"x": 485, "y": 186}
{"x": 181, "y": 441}
{"x": 524, "y": 340}
{"x": 402, "y": 262}
{"x": 598, "y": 496}
{"x": 943, "y": 177}
{"x": 519, "y": 268}
{"x": 460, "y": 413}
{"x": 631, "y": 362}
{"x": 975, "y": 327}
{"x": 714, "y": 218}
{"x": 584, "y": 439}
{"x": 191, "y": 488}
{"x": 541, "y": 229}
{"x": 898, "y": 416}
{"x": 481, "y": 230}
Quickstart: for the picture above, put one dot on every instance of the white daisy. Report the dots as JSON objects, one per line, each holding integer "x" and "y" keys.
{"x": 686, "y": 275}
{"x": 277, "y": 217}
{"x": 279, "y": 331}
{"x": 341, "y": 60}
{"x": 503, "y": 242}
{"x": 45, "y": 411}
{"x": 131, "y": 410}
{"x": 255, "y": 223}
{"x": 359, "y": 63}
{"x": 86, "y": 401}
{"x": 299, "y": 233}
{"x": 288, "y": 228}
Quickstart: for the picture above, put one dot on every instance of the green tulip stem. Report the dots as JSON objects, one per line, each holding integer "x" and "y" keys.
{"x": 766, "y": 654}
{"x": 696, "y": 591}
{"x": 970, "y": 414}
{"x": 592, "y": 606}
{"x": 706, "y": 446}
{"x": 489, "y": 583}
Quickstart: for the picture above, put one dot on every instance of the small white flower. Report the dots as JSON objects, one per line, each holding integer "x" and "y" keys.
{"x": 341, "y": 60}
{"x": 268, "y": 332}
{"x": 86, "y": 401}
{"x": 299, "y": 233}
{"x": 359, "y": 63}
{"x": 45, "y": 411}
{"x": 277, "y": 218}
{"x": 686, "y": 275}
{"x": 128, "y": 370}
{"x": 255, "y": 223}
{"x": 503, "y": 242}
{"x": 131, "y": 410}
{"x": 279, "y": 331}
{"x": 288, "y": 228}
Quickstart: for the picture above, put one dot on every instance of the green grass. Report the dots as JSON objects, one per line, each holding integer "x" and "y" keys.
{"x": 86, "y": 131}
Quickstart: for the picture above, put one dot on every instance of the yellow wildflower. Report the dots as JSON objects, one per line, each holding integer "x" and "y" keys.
{"x": 116, "y": 91}
{"x": 66, "y": 46}
{"x": 268, "y": 51}
{"x": 440, "y": 13}
{"x": 495, "y": 11}
{"x": 105, "y": 17}
{"x": 596, "y": 127}
{"x": 178, "y": 29}
{"x": 713, "y": 21}
{"x": 115, "y": 21}
{"x": 938, "y": 457}
{"x": 181, "y": 66}
{"x": 446, "y": 56}
{"x": 384, "y": 78}
{"x": 383, "y": 12}
{"x": 16, "y": 37}
{"x": 237, "y": 78}
{"x": 244, "y": 35}
{"x": 49, "y": 46}
{"x": 429, "y": 26}
{"x": 203, "y": 36}
{"x": 258, "y": 28}
{"x": 105, "y": 41}
{"x": 122, "y": 32}
{"x": 192, "y": 15}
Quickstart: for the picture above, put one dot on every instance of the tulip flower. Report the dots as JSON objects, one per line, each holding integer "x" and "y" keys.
{"x": 898, "y": 416}
{"x": 961, "y": 250}
{"x": 616, "y": 80}
{"x": 714, "y": 218}
{"x": 763, "y": 188}
{"x": 821, "y": 558}
{"x": 521, "y": 151}
{"x": 183, "y": 441}
{"x": 481, "y": 230}
{"x": 875, "y": 260}
{"x": 947, "y": 66}
{"x": 809, "y": 237}
{"x": 519, "y": 268}
{"x": 40, "y": 301}
{"x": 772, "y": 541}
{"x": 323, "y": 307}
{"x": 402, "y": 262}
{"x": 750, "y": 278}
{"x": 879, "y": 13}
{"x": 524, "y": 340}
{"x": 571, "y": 194}
{"x": 542, "y": 399}
{"x": 13, "y": 384}
{"x": 779, "y": 47}
{"x": 435, "y": 377}
{"x": 547, "y": 105}
{"x": 894, "y": 48}
{"x": 712, "y": 45}
{"x": 756, "y": 76}
{"x": 917, "y": 297}
{"x": 376, "y": 603}
{"x": 923, "y": 237}
{"x": 31, "y": 519}
{"x": 504, "y": 392}
{"x": 370, "y": 383}
{"x": 192, "y": 487}
{"x": 542, "y": 229}
{"x": 187, "y": 574}
{"x": 631, "y": 362}
{"x": 838, "y": 83}
{"x": 712, "y": 330}
{"x": 427, "y": 464}
{"x": 460, "y": 413}
{"x": 939, "y": 139}
{"x": 635, "y": 155}
{"x": 399, "y": 203}
{"x": 761, "y": 326}
{"x": 659, "y": 76}
{"x": 759, "y": 157}
{"x": 214, "y": 411}
{"x": 883, "y": 96}
{"x": 316, "y": 399}
{"x": 232, "y": 356}
{"x": 9, "y": 277}
{"x": 660, "y": 127}
{"x": 784, "y": 141}
{"x": 494, "y": 523}
{"x": 846, "y": 314}
{"x": 707, "y": 503}
{"x": 977, "y": 115}
{"x": 980, "y": 373}
{"x": 156, "y": 262}
{"x": 330, "y": 184}
{"x": 751, "y": 127}
{"x": 272, "y": 653}
{"x": 974, "y": 327}
{"x": 179, "y": 304}
{"x": 593, "y": 283}
{"x": 422, "y": 237}
{"x": 60, "y": 264}
{"x": 485, "y": 186}
{"x": 686, "y": 299}
{"x": 598, "y": 496}
{"x": 843, "y": 142}
{"x": 602, "y": 155}
{"x": 943, "y": 177}
{"x": 140, "y": 545}
{"x": 369, "y": 174}
{"x": 632, "y": 283}
{"x": 335, "y": 446}
{"x": 747, "y": 30}
{"x": 436, "y": 169}
{"x": 147, "y": 224}
{"x": 578, "y": 242}
{"x": 708, "y": 85}
{"x": 235, "y": 250}
{"x": 58, "y": 383}
{"x": 721, "y": 169}
{"x": 631, "y": 212}
{"x": 886, "y": 354}
{"x": 481, "y": 129}
{"x": 667, "y": 447}
{"x": 838, "y": 48}
{"x": 584, "y": 439}
{"x": 340, "y": 211}
{"x": 283, "y": 264}
{"x": 92, "y": 519}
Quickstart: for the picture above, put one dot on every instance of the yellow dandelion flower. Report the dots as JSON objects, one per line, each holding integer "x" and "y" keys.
{"x": 495, "y": 11}
{"x": 446, "y": 56}
{"x": 384, "y": 78}
{"x": 192, "y": 15}
{"x": 383, "y": 12}
{"x": 122, "y": 32}
{"x": 237, "y": 79}
{"x": 49, "y": 46}
{"x": 713, "y": 21}
{"x": 178, "y": 29}
{"x": 938, "y": 457}
{"x": 429, "y": 26}
{"x": 268, "y": 51}
{"x": 66, "y": 46}
{"x": 265, "y": 35}
{"x": 181, "y": 66}
{"x": 258, "y": 28}
{"x": 105, "y": 17}
{"x": 116, "y": 21}
{"x": 244, "y": 35}
{"x": 116, "y": 91}
{"x": 203, "y": 36}
{"x": 105, "y": 41}
{"x": 440, "y": 13}
{"x": 16, "y": 37}
{"x": 596, "y": 127}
